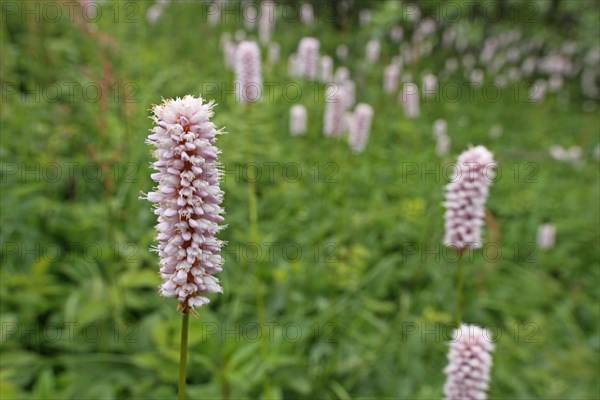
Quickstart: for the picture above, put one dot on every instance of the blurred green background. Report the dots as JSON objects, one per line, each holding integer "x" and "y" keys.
{"x": 358, "y": 291}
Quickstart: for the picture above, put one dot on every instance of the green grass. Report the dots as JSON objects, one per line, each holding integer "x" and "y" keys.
{"x": 75, "y": 247}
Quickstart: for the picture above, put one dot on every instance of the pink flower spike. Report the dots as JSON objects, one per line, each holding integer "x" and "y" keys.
{"x": 266, "y": 23}
{"x": 187, "y": 200}
{"x": 307, "y": 14}
{"x": 335, "y": 107}
{"x": 390, "y": 78}
{"x": 546, "y": 236}
{"x": 409, "y": 98}
{"x": 248, "y": 78}
{"x": 465, "y": 198}
{"x": 308, "y": 57}
{"x": 359, "y": 127}
{"x": 298, "y": 119}
{"x": 469, "y": 364}
{"x": 372, "y": 51}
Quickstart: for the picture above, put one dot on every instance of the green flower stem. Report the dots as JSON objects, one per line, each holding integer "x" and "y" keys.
{"x": 183, "y": 354}
{"x": 459, "y": 289}
{"x": 254, "y": 237}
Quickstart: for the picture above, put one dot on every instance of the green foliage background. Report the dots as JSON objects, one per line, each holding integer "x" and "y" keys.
{"x": 80, "y": 315}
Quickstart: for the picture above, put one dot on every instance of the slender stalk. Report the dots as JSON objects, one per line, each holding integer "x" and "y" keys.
{"x": 252, "y": 204}
{"x": 183, "y": 354}
{"x": 459, "y": 289}
{"x": 254, "y": 237}
{"x": 252, "y": 198}
{"x": 224, "y": 387}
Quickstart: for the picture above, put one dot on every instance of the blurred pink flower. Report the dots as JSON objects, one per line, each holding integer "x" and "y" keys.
{"x": 390, "y": 78}
{"x": 373, "y": 50}
{"x": 298, "y": 119}
{"x": 466, "y": 195}
{"x": 430, "y": 86}
{"x": 442, "y": 140}
{"x": 229, "y": 49}
{"x": 273, "y": 52}
{"x": 364, "y": 17}
{"x": 359, "y": 126}
{"x": 546, "y": 236}
{"x": 537, "y": 93}
{"x": 349, "y": 90}
{"x": 266, "y": 23}
{"x": 326, "y": 69}
{"x": 342, "y": 74}
{"x": 307, "y": 14}
{"x": 396, "y": 33}
{"x": 341, "y": 51}
{"x": 308, "y": 56}
{"x": 409, "y": 98}
{"x": 469, "y": 364}
{"x": 248, "y": 77}
{"x": 335, "y": 107}
{"x": 293, "y": 67}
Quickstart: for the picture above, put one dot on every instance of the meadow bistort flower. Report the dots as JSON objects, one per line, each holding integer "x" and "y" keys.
{"x": 335, "y": 107}
{"x": 364, "y": 17}
{"x": 298, "y": 119}
{"x": 537, "y": 93}
{"x": 266, "y": 23}
{"x": 326, "y": 69}
{"x": 187, "y": 200}
{"x": 349, "y": 90}
{"x": 465, "y": 198}
{"x": 307, "y": 14}
{"x": 372, "y": 51}
{"x": 396, "y": 33}
{"x": 546, "y": 236}
{"x": 409, "y": 98}
{"x": 430, "y": 86}
{"x": 359, "y": 127}
{"x": 469, "y": 364}
{"x": 293, "y": 67}
{"x": 248, "y": 78}
{"x": 442, "y": 145}
{"x": 440, "y": 127}
{"x": 274, "y": 52}
{"x": 390, "y": 78}
{"x": 341, "y": 51}
{"x": 308, "y": 57}
{"x": 442, "y": 140}
{"x": 229, "y": 49}
{"x": 476, "y": 77}
{"x": 153, "y": 14}
{"x": 342, "y": 74}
